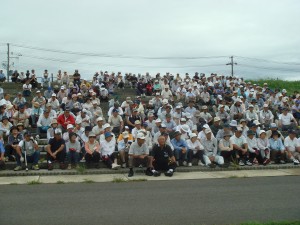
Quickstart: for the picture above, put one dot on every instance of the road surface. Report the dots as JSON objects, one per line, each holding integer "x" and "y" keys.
{"x": 207, "y": 201}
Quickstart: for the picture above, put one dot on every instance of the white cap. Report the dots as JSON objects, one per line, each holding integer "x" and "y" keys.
{"x": 140, "y": 135}
{"x": 206, "y": 126}
{"x": 58, "y": 131}
{"x": 185, "y": 128}
{"x": 53, "y": 95}
{"x": 193, "y": 135}
{"x": 99, "y": 119}
{"x": 70, "y": 126}
{"x": 107, "y": 125}
{"x": 158, "y": 121}
{"x": 261, "y": 131}
{"x": 207, "y": 131}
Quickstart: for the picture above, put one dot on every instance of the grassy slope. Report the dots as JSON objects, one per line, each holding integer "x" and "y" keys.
{"x": 290, "y": 86}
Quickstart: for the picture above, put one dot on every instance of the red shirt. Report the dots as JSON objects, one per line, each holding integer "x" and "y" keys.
{"x": 64, "y": 121}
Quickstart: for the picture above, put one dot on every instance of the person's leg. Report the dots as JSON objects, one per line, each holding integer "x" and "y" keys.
{"x": 96, "y": 157}
{"x": 199, "y": 156}
{"x": 226, "y": 155}
{"x": 206, "y": 160}
{"x": 219, "y": 160}
{"x": 189, "y": 154}
{"x": 35, "y": 157}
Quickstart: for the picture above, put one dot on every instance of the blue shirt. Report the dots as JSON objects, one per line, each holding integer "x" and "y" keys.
{"x": 276, "y": 145}
{"x": 179, "y": 144}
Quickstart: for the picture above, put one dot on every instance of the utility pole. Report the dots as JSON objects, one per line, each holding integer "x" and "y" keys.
{"x": 7, "y": 66}
{"x": 231, "y": 63}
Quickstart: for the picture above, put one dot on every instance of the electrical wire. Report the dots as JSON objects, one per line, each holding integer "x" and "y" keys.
{"x": 268, "y": 61}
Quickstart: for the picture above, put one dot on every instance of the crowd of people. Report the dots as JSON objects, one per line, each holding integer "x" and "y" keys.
{"x": 173, "y": 121}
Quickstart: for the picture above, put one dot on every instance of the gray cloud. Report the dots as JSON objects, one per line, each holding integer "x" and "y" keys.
{"x": 259, "y": 29}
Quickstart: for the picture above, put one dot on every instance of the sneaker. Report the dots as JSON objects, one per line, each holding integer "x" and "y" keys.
{"x": 282, "y": 162}
{"x": 296, "y": 162}
{"x": 266, "y": 162}
{"x": 184, "y": 163}
{"x": 148, "y": 172}
{"x": 18, "y": 168}
{"x": 6, "y": 159}
{"x": 169, "y": 173}
{"x": 140, "y": 166}
{"x": 189, "y": 164}
{"x": 177, "y": 163}
{"x": 156, "y": 173}
{"x": 123, "y": 165}
{"x": 130, "y": 174}
{"x": 36, "y": 167}
{"x": 248, "y": 163}
{"x": 241, "y": 163}
{"x": 115, "y": 166}
{"x": 69, "y": 167}
{"x": 200, "y": 163}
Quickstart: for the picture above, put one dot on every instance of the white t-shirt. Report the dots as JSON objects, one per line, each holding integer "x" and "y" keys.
{"x": 286, "y": 119}
{"x": 291, "y": 144}
{"x": 29, "y": 146}
{"x": 27, "y": 87}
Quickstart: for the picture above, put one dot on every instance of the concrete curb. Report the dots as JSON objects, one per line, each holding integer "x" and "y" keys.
{"x": 122, "y": 178}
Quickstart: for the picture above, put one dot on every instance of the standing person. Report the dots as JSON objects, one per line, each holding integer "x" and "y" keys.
{"x": 73, "y": 149}
{"x": 163, "y": 157}
{"x": 56, "y": 150}
{"x": 139, "y": 155}
{"x": 32, "y": 152}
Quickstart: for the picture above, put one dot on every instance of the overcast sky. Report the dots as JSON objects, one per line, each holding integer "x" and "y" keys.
{"x": 155, "y": 36}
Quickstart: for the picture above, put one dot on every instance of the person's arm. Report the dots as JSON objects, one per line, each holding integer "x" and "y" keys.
{"x": 59, "y": 149}
{"x": 176, "y": 147}
{"x": 35, "y": 145}
{"x": 87, "y": 148}
{"x": 222, "y": 147}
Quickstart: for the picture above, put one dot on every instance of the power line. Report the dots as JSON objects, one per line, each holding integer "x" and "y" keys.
{"x": 269, "y": 61}
{"x": 268, "y": 68}
{"x": 113, "y": 56}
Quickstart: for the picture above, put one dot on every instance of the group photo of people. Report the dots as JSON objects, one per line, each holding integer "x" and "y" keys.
{"x": 171, "y": 121}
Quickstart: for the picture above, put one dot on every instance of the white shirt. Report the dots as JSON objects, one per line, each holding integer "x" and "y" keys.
{"x": 286, "y": 119}
{"x": 291, "y": 145}
{"x": 107, "y": 148}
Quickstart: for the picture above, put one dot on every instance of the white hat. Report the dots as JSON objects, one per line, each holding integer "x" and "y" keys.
{"x": 137, "y": 122}
{"x": 251, "y": 106}
{"x": 188, "y": 115}
{"x": 204, "y": 107}
{"x": 70, "y": 126}
{"x": 182, "y": 120}
{"x": 62, "y": 87}
{"x": 239, "y": 128}
{"x": 99, "y": 119}
{"x": 207, "y": 131}
{"x": 107, "y": 125}
{"x": 256, "y": 122}
{"x": 140, "y": 135}
{"x": 193, "y": 135}
{"x": 185, "y": 128}
{"x": 158, "y": 121}
{"x": 217, "y": 119}
{"x": 126, "y": 127}
{"x": 233, "y": 123}
{"x": 58, "y": 131}
{"x": 206, "y": 126}
{"x": 261, "y": 131}
{"x": 266, "y": 105}
{"x": 283, "y": 91}
{"x": 94, "y": 102}
{"x": 165, "y": 101}
{"x": 53, "y": 95}
{"x": 125, "y": 134}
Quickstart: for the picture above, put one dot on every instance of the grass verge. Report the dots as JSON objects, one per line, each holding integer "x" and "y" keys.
{"x": 273, "y": 223}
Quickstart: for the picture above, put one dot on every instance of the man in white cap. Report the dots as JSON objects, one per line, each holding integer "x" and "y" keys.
{"x": 250, "y": 114}
{"x": 136, "y": 129}
{"x": 139, "y": 154}
{"x": 123, "y": 148}
{"x": 150, "y": 121}
{"x": 166, "y": 93}
{"x": 39, "y": 98}
{"x": 210, "y": 145}
{"x": 240, "y": 146}
{"x": 180, "y": 92}
{"x": 65, "y": 136}
{"x": 205, "y": 114}
{"x": 98, "y": 128}
{"x": 56, "y": 150}
{"x": 266, "y": 116}
{"x": 61, "y": 94}
{"x": 54, "y": 102}
{"x": 236, "y": 110}
{"x": 96, "y": 112}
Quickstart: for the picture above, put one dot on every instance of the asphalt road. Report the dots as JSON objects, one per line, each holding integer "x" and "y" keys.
{"x": 208, "y": 201}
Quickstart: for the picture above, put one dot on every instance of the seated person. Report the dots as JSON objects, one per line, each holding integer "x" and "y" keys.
{"x": 253, "y": 151}
{"x": 292, "y": 147}
{"x": 123, "y": 147}
{"x": 30, "y": 146}
{"x": 56, "y": 150}
{"x": 210, "y": 145}
{"x": 92, "y": 148}
{"x": 73, "y": 149}
{"x": 139, "y": 155}
{"x": 43, "y": 123}
{"x": 182, "y": 153}
{"x": 5, "y": 126}
{"x": 196, "y": 147}
{"x": 13, "y": 141}
{"x": 240, "y": 147}
{"x": 277, "y": 148}
{"x": 264, "y": 147}
{"x": 163, "y": 158}
{"x": 108, "y": 151}
{"x": 21, "y": 116}
{"x": 226, "y": 147}
{"x": 27, "y": 88}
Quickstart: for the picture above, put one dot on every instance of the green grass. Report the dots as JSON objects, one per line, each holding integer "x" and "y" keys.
{"x": 273, "y": 223}
{"x": 60, "y": 182}
{"x": 290, "y": 86}
{"x": 118, "y": 180}
{"x": 87, "y": 181}
{"x": 34, "y": 182}
{"x": 81, "y": 169}
{"x": 122, "y": 180}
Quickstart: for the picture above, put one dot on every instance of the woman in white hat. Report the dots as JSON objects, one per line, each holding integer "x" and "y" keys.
{"x": 50, "y": 131}
{"x": 197, "y": 148}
